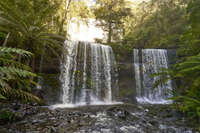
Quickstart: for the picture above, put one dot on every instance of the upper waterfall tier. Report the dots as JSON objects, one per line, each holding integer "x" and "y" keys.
{"x": 146, "y": 63}
{"x": 88, "y": 74}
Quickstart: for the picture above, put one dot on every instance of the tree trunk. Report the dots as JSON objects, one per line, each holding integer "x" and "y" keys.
{"x": 42, "y": 59}
{"x": 6, "y": 40}
{"x": 109, "y": 33}
{"x": 65, "y": 17}
{"x": 20, "y": 58}
{"x": 33, "y": 64}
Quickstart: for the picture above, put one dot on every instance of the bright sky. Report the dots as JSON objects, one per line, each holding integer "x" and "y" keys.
{"x": 82, "y": 32}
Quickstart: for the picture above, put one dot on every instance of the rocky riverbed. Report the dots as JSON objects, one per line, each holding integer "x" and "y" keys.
{"x": 126, "y": 118}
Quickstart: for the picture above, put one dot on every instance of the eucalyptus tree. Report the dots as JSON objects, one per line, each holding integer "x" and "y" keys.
{"x": 64, "y": 11}
{"x": 159, "y": 24}
{"x": 111, "y": 14}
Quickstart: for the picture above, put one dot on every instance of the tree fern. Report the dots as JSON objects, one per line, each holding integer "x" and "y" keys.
{"x": 2, "y": 97}
{"x": 187, "y": 97}
{"x": 16, "y": 79}
{"x": 29, "y": 28}
{"x": 16, "y": 51}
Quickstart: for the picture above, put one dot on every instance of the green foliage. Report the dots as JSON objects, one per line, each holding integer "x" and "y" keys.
{"x": 186, "y": 72}
{"x": 157, "y": 24}
{"x": 6, "y": 115}
{"x": 31, "y": 26}
{"x": 194, "y": 16}
{"x": 2, "y": 97}
{"x": 6, "y": 50}
{"x": 164, "y": 75}
{"x": 80, "y": 10}
{"x": 189, "y": 100}
{"x": 112, "y": 14}
{"x": 16, "y": 78}
{"x": 191, "y": 37}
{"x": 121, "y": 51}
{"x": 186, "y": 97}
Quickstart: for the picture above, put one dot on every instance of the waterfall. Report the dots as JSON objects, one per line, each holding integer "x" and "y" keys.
{"x": 88, "y": 74}
{"x": 146, "y": 63}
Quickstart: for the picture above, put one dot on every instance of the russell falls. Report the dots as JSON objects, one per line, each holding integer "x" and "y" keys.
{"x": 99, "y": 66}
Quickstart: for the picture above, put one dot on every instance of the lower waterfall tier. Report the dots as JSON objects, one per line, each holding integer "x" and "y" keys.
{"x": 146, "y": 63}
{"x": 88, "y": 74}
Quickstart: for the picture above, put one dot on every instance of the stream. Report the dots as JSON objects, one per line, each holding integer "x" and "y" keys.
{"x": 123, "y": 118}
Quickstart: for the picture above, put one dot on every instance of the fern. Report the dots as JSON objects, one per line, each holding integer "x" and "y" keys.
{"x": 188, "y": 71}
{"x": 15, "y": 50}
{"x": 19, "y": 94}
{"x": 2, "y": 97}
{"x": 28, "y": 28}
{"x": 16, "y": 78}
{"x": 164, "y": 75}
{"x": 16, "y": 64}
{"x": 12, "y": 71}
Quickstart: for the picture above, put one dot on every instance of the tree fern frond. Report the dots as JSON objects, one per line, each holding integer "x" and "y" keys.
{"x": 7, "y": 55}
{"x": 12, "y": 71}
{"x": 15, "y": 50}
{"x": 53, "y": 50}
{"x": 196, "y": 83}
{"x": 13, "y": 63}
{"x": 191, "y": 70}
{"x": 161, "y": 81}
{"x": 163, "y": 76}
{"x": 11, "y": 13}
{"x": 53, "y": 43}
{"x": 2, "y": 97}
{"x": 20, "y": 94}
{"x": 4, "y": 84}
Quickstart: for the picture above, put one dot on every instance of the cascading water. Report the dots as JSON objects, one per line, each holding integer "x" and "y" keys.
{"x": 146, "y": 63}
{"x": 88, "y": 74}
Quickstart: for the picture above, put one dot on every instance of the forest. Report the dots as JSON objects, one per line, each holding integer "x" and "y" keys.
{"x": 33, "y": 35}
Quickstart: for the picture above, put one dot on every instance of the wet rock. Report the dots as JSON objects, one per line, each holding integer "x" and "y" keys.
{"x": 102, "y": 119}
{"x": 118, "y": 112}
{"x": 53, "y": 129}
{"x": 33, "y": 132}
{"x": 153, "y": 122}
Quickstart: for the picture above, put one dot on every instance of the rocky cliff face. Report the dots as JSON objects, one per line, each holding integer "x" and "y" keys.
{"x": 126, "y": 79}
{"x": 51, "y": 86}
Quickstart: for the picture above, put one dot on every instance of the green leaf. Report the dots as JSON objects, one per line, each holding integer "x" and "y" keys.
{"x": 2, "y": 97}
{"x": 198, "y": 111}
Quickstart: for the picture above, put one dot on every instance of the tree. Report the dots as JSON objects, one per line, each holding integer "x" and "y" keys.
{"x": 64, "y": 14}
{"x": 110, "y": 14}
{"x": 194, "y": 16}
{"x": 186, "y": 72}
{"x": 28, "y": 24}
{"x": 157, "y": 24}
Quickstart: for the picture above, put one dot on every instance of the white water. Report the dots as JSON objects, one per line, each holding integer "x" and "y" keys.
{"x": 88, "y": 75}
{"x": 146, "y": 63}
